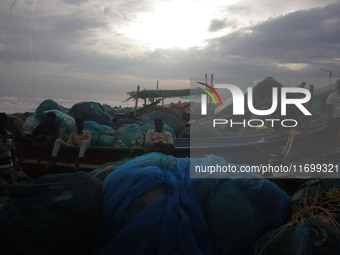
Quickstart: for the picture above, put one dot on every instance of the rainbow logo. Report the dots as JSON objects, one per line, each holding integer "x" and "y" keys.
{"x": 209, "y": 93}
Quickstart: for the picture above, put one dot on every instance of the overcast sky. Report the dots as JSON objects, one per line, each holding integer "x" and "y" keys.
{"x": 101, "y": 49}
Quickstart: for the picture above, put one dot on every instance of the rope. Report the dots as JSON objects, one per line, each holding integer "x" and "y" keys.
{"x": 281, "y": 157}
{"x": 131, "y": 151}
{"x": 286, "y": 150}
{"x": 325, "y": 207}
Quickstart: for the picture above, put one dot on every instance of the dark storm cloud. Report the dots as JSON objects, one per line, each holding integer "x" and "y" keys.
{"x": 51, "y": 37}
{"x": 216, "y": 25}
{"x": 308, "y": 37}
{"x": 70, "y": 42}
{"x": 302, "y": 35}
{"x": 75, "y": 2}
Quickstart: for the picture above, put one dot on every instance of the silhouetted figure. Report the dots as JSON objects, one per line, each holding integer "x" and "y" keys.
{"x": 45, "y": 133}
{"x": 302, "y": 85}
{"x": 333, "y": 113}
{"x": 10, "y": 172}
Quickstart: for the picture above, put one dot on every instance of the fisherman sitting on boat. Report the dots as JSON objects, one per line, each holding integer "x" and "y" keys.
{"x": 333, "y": 112}
{"x": 158, "y": 140}
{"x": 44, "y": 133}
{"x": 81, "y": 138}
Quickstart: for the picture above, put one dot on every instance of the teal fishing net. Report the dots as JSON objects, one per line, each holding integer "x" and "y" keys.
{"x": 56, "y": 214}
{"x": 104, "y": 170}
{"x": 239, "y": 210}
{"x": 176, "y": 124}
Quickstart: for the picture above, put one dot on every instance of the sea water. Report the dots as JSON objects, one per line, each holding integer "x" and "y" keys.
{"x": 21, "y": 104}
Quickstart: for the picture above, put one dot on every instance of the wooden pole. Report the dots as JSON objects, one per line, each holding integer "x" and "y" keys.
{"x": 306, "y": 126}
{"x": 136, "y": 101}
{"x": 157, "y": 90}
{"x": 212, "y": 85}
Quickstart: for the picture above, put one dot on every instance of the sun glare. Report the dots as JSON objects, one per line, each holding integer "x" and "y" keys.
{"x": 177, "y": 24}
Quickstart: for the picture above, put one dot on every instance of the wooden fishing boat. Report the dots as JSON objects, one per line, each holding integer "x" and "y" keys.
{"x": 94, "y": 157}
{"x": 252, "y": 149}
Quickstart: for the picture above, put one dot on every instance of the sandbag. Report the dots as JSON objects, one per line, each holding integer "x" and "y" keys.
{"x": 56, "y": 214}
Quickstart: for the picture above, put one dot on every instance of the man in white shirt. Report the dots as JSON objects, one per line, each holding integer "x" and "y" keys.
{"x": 333, "y": 113}
{"x": 158, "y": 139}
{"x": 80, "y": 138}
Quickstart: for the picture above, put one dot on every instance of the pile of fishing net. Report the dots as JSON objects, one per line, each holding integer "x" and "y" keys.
{"x": 48, "y": 105}
{"x": 151, "y": 206}
{"x": 64, "y": 122}
{"x": 104, "y": 170}
{"x": 92, "y": 111}
{"x": 56, "y": 214}
{"x": 102, "y": 135}
{"x": 313, "y": 227}
{"x": 129, "y": 132}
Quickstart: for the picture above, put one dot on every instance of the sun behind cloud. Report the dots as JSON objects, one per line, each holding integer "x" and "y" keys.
{"x": 176, "y": 24}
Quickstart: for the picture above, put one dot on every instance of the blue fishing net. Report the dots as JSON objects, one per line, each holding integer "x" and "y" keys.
{"x": 151, "y": 206}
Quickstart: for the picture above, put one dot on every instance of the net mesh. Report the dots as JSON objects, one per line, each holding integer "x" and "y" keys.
{"x": 56, "y": 214}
